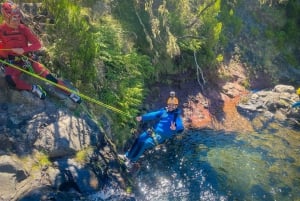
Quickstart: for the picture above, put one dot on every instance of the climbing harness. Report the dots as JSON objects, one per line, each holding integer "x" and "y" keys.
{"x": 27, "y": 64}
{"x": 152, "y": 134}
{"x": 7, "y": 63}
{"x": 21, "y": 60}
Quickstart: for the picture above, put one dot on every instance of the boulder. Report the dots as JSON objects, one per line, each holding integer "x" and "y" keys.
{"x": 11, "y": 174}
{"x": 276, "y": 103}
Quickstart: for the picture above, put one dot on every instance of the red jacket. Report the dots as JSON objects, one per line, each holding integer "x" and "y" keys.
{"x": 22, "y": 37}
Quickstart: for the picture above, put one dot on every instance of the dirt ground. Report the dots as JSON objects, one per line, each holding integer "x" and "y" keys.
{"x": 215, "y": 106}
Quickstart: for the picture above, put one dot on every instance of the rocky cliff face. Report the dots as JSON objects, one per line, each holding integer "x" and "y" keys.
{"x": 273, "y": 105}
{"x": 48, "y": 151}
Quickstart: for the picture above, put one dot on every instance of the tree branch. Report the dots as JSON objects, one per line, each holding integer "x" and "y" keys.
{"x": 199, "y": 14}
{"x": 199, "y": 73}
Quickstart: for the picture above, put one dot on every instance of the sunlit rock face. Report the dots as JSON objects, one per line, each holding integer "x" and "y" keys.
{"x": 39, "y": 143}
{"x": 269, "y": 105}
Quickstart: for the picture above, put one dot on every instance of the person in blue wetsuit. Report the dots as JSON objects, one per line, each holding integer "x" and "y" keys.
{"x": 169, "y": 124}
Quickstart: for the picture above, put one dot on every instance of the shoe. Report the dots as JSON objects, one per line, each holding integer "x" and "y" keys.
{"x": 129, "y": 164}
{"x": 37, "y": 89}
{"x": 127, "y": 161}
{"x": 122, "y": 157}
{"x": 75, "y": 98}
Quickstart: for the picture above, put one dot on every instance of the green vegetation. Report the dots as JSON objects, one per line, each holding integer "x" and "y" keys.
{"x": 285, "y": 32}
{"x": 83, "y": 155}
{"x": 114, "y": 50}
{"x": 97, "y": 56}
{"x": 41, "y": 160}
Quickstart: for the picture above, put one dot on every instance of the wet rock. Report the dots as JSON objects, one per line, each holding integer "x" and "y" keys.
{"x": 284, "y": 88}
{"x": 270, "y": 104}
{"x": 30, "y": 126}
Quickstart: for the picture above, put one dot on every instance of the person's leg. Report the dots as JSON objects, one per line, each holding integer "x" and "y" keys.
{"x": 12, "y": 77}
{"x": 40, "y": 70}
{"x": 148, "y": 144}
{"x": 44, "y": 72}
{"x": 137, "y": 145}
{"x": 143, "y": 143}
{"x": 129, "y": 154}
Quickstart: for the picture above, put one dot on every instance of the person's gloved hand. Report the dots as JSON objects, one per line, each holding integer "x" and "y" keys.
{"x": 18, "y": 51}
{"x": 139, "y": 118}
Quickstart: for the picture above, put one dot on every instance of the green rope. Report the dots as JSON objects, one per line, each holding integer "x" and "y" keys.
{"x": 66, "y": 89}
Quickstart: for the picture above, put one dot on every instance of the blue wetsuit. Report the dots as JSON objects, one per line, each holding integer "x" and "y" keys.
{"x": 161, "y": 131}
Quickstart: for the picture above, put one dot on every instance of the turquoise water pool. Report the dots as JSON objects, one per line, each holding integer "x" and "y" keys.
{"x": 217, "y": 165}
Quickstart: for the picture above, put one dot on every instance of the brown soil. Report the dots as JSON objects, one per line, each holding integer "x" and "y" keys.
{"x": 213, "y": 108}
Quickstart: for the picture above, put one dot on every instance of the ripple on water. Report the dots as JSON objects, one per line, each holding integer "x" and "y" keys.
{"x": 215, "y": 165}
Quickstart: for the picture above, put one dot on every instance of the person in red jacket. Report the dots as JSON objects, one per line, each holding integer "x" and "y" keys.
{"x": 17, "y": 41}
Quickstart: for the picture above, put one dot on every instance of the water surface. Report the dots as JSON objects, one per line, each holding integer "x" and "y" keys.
{"x": 216, "y": 165}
